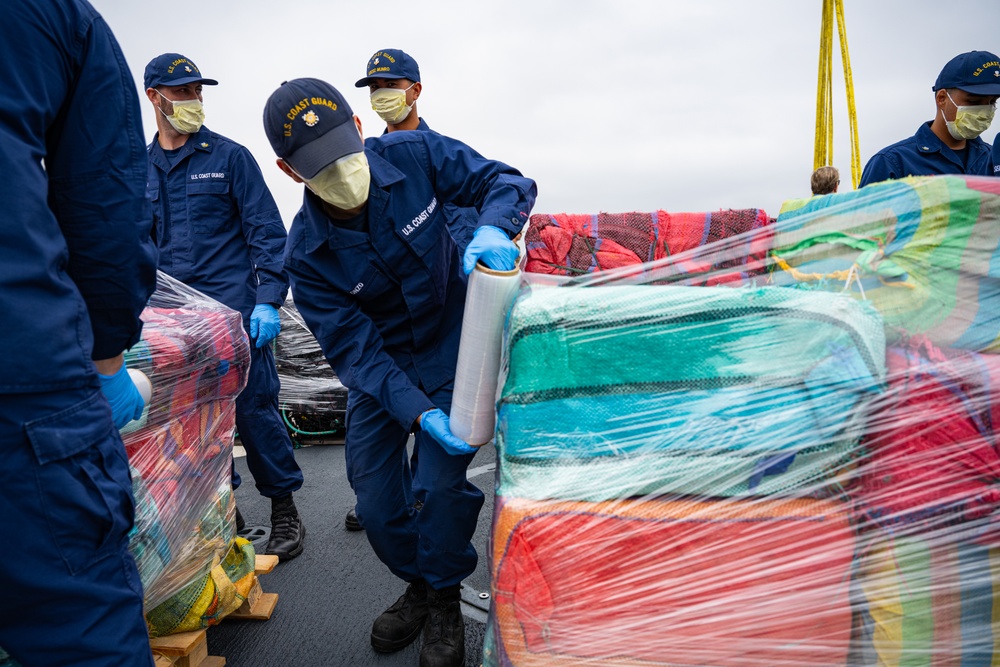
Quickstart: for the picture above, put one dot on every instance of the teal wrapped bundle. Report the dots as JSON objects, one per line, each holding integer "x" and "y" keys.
{"x": 633, "y": 390}
{"x": 924, "y": 250}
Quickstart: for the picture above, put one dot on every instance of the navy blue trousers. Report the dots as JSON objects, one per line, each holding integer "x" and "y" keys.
{"x": 70, "y": 592}
{"x": 270, "y": 454}
{"x": 435, "y": 543}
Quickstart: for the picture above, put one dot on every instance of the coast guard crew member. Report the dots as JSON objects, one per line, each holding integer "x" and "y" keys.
{"x": 393, "y": 79}
{"x": 219, "y": 231}
{"x": 76, "y": 269}
{"x": 380, "y": 283}
{"x": 965, "y": 95}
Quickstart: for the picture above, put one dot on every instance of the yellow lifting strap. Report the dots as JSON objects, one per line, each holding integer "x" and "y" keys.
{"x": 823, "y": 154}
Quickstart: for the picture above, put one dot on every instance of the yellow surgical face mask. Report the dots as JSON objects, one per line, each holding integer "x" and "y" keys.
{"x": 344, "y": 184}
{"x": 390, "y": 104}
{"x": 188, "y": 115}
{"x": 970, "y": 121}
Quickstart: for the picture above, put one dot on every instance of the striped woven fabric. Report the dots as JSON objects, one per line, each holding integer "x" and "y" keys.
{"x": 930, "y": 599}
{"x": 924, "y": 250}
{"x": 631, "y": 390}
{"x": 656, "y": 582}
{"x": 734, "y": 243}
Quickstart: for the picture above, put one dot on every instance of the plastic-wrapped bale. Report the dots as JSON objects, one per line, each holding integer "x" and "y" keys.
{"x": 630, "y": 390}
{"x": 934, "y": 455}
{"x": 924, "y": 250}
{"x": 656, "y": 582}
{"x": 917, "y": 493}
{"x": 197, "y": 356}
{"x": 313, "y": 400}
{"x": 574, "y": 244}
{"x": 928, "y": 498}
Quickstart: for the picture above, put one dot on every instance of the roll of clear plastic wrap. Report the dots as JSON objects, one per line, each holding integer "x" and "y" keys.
{"x": 473, "y": 410}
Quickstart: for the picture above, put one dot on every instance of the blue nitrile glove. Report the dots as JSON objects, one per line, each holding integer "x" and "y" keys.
{"x": 493, "y": 247}
{"x": 265, "y": 324}
{"x": 125, "y": 399}
{"x": 438, "y": 426}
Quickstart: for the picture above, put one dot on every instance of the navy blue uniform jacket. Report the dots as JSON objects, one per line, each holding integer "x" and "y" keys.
{"x": 924, "y": 154}
{"x": 216, "y": 223}
{"x": 386, "y": 303}
{"x": 76, "y": 263}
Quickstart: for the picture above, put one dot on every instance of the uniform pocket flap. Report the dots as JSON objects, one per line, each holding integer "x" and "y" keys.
{"x": 208, "y": 188}
{"x": 70, "y": 431}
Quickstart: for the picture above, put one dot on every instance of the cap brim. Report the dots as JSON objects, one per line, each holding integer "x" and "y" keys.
{"x": 192, "y": 79}
{"x": 982, "y": 89}
{"x": 361, "y": 83}
{"x": 325, "y": 150}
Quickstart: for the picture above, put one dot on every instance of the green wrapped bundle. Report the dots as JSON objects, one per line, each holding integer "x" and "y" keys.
{"x": 634, "y": 390}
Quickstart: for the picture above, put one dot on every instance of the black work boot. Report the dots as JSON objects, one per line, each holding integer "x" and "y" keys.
{"x": 287, "y": 530}
{"x": 444, "y": 634}
{"x": 351, "y": 521}
{"x": 399, "y": 625}
{"x": 241, "y": 523}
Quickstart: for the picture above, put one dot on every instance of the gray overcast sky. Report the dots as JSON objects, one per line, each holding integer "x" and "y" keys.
{"x": 631, "y": 105}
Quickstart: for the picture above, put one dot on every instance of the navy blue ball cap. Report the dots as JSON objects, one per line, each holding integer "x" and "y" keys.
{"x": 173, "y": 69}
{"x": 976, "y": 72}
{"x": 390, "y": 64}
{"x": 310, "y": 125}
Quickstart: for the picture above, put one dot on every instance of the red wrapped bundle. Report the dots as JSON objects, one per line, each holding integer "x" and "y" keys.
{"x": 569, "y": 244}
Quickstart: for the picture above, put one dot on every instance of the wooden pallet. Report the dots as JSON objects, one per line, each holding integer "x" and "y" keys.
{"x": 185, "y": 649}
{"x": 259, "y": 605}
{"x": 190, "y": 649}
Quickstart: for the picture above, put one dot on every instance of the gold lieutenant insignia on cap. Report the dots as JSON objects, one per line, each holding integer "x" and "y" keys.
{"x": 375, "y": 61}
{"x": 187, "y": 68}
{"x": 310, "y": 118}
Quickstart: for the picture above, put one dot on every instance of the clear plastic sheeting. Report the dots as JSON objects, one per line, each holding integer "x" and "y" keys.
{"x": 313, "y": 401}
{"x": 196, "y": 354}
{"x": 785, "y": 458}
{"x": 490, "y": 294}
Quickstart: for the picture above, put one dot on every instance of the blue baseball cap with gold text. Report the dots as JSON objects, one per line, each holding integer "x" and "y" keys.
{"x": 976, "y": 72}
{"x": 310, "y": 125}
{"x": 390, "y": 64}
{"x": 173, "y": 69}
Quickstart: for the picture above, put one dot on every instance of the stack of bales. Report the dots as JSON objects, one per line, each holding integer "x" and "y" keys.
{"x": 693, "y": 451}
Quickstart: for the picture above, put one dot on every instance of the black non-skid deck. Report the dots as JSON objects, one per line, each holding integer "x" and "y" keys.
{"x": 331, "y": 593}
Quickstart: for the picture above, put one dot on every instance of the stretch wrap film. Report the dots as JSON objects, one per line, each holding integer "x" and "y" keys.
{"x": 195, "y": 351}
{"x": 308, "y": 384}
{"x": 728, "y": 440}
{"x": 473, "y": 405}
